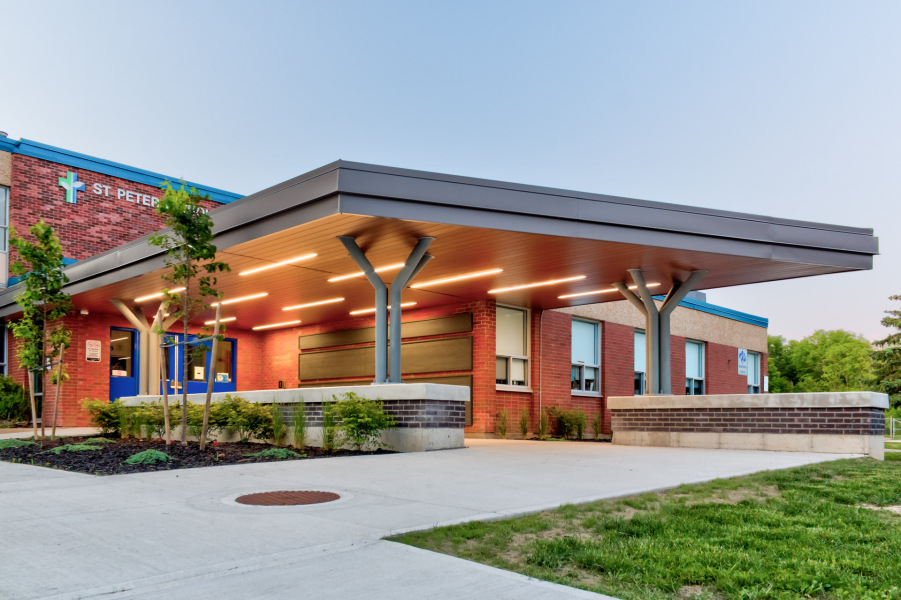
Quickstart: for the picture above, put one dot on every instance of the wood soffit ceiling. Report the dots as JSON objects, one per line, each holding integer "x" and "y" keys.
{"x": 524, "y": 258}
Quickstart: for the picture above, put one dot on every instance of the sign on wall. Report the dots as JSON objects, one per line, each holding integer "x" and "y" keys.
{"x": 92, "y": 350}
{"x": 742, "y": 361}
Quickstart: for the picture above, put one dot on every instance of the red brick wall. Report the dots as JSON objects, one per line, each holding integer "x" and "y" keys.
{"x": 95, "y": 224}
{"x": 617, "y": 363}
{"x": 721, "y": 371}
{"x": 677, "y": 365}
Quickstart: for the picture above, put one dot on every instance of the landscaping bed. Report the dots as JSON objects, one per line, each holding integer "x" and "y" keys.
{"x": 109, "y": 458}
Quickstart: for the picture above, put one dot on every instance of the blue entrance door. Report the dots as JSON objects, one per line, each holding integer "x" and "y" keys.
{"x": 123, "y": 363}
{"x": 224, "y": 365}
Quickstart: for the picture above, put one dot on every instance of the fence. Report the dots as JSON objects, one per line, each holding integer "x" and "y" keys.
{"x": 892, "y": 427}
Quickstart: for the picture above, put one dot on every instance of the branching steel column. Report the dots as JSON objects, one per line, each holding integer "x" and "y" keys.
{"x": 414, "y": 264}
{"x": 381, "y": 307}
{"x": 676, "y": 294}
{"x": 652, "y": 333}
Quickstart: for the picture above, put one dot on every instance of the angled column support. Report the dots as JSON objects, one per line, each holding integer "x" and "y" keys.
{"x": 415, "y": 262}
{"x": 381, "y": 307}
{"x": 657, "y": 326}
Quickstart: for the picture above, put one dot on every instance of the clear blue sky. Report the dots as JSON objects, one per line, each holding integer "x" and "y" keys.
{"x": 784, "y": 108}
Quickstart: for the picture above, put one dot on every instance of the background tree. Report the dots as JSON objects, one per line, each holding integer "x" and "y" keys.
{"x": 193, "y": 265}
{"x": 826, "y": 361}
{"x": 887, "y": 360}
{"x": 43, "y": 302}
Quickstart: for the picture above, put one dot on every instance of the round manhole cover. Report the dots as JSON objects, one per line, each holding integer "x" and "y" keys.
{"x": 287, "y": 498}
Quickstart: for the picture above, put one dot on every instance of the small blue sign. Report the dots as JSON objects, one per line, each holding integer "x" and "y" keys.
{"x": 742, "y": 361}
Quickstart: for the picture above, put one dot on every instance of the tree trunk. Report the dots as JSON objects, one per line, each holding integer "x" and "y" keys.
{"x": 43, "y": 371}
{"x": 210, "y": 378}
{"x": 34, "y": 411}
{"x": 184, "y": 378}
{"x": 59, "y": 386}
{"x": 163, "y": 382}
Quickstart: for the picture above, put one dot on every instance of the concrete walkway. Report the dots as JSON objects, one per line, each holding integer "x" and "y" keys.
{"x": 179, "y": 534}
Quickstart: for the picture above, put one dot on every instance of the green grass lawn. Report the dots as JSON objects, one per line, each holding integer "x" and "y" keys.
{"x": 796, "y": 533}
{"x": 893, "y": 445}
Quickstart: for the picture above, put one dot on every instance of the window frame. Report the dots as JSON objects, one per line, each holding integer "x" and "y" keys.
{"x": 754, "y": 388}
{"x": 689, "y": 387}
{"x": 527, "y": 333}
{"x": 640, "y": 386}
{"x": 581, "y": 391}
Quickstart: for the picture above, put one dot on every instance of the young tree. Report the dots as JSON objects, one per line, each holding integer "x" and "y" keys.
{"x": 825, "y": 361}
{"x": 887, "y": 360}
{"x": 193, "y": 265}
{"x": 43, "y": 302}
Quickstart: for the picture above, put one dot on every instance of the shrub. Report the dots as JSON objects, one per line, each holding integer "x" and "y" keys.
{"x": 362, "y": 420}
{"x": 99, "y": 440}
{"x": 570, "y": 423}
{"x": 330, "y": 431}
{"x": 148, "y": 457}
{"x": 14, "y": 405}
{"x": 14, "y": 443}
{"x": 246, "y": 419}
{"x": 277, "y": 453}
{"x": 524, "y": 423}
{"x": 542, "y": 425}
{"x": 299, "y": 424}
{"x": 596, "y": 424}
{"x": 279, "y": 429}
{"x": 104, "y": 415}
{"x": 500, "y": 425}
{"x": 73, "y": 448}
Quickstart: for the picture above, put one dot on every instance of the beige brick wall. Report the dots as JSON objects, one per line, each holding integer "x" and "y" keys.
{"x": 6, "y": 169}
{"x": 685, "y": 322}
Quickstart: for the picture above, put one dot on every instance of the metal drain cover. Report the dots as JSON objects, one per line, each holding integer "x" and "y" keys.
{"x": 287, "y": 498}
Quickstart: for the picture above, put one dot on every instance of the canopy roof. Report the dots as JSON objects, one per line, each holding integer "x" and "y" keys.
{"x": 533, "y": 234}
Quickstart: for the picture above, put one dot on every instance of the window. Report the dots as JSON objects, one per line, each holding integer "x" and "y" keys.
{"x": 694, "y": 368}
{"x": 512, "y": 346}
{"x": 4, "y": 233}
{"x": 586, "y": 362}
{"x": 3, "y": 349}
{"x": 640, "y": 363}
{"x": 225, "y": 353}
{"x": 753, "y": 372}
{"x": 120, "y": 348}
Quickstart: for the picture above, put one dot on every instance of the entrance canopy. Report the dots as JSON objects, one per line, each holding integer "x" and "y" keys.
{"x": 501, "y": 240}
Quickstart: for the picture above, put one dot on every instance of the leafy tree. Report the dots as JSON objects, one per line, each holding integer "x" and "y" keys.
{"x": 887, "y": 360}
{"x": 43, "y": 302}
{"x": 826, "y": 361}
{"x": 193, "y": 265}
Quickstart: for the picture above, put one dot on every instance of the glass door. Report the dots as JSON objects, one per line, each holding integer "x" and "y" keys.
{"x": 123, "y": 363}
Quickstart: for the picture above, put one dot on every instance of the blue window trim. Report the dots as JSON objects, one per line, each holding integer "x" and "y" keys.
{"x": 722, "y": 311}
{"x": 107, "y": 167}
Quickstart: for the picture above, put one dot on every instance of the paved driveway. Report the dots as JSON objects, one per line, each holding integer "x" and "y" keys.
{"x": 179, "y": 534}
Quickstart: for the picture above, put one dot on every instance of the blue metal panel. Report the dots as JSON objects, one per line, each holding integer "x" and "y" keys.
{"x": 120, "y": 387}
{"x": 722, "y": 311}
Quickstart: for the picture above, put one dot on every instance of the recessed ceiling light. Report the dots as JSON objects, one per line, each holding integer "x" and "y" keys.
{"x": 536, "y": 284}
{"x": 279, "y": 264}
{"x": 309, "y": 304}
{"x": 360, "y": 273}
{"x": 272, "y": 325}
{"x": 457, "y": 278}
{"x": 225, "y": 320}
{"x": 158, "y": 295}
{"x": 364, "y": 311}
{"x": 607, "y": 291}
{"x": 240, "y": 299}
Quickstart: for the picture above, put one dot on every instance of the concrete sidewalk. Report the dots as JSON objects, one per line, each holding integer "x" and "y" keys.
{"x": 180, "y": 533}
{"x": 60, "y": 432}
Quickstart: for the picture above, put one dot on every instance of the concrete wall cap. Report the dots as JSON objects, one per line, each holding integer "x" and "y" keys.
{"x": 385, "y": 391}
{"x": 811, "y": 400}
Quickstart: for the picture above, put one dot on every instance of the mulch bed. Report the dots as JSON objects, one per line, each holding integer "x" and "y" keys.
{"x": 110, "y": 459}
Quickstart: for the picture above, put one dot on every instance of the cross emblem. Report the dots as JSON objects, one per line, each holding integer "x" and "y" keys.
{"x": 72, "y": 186}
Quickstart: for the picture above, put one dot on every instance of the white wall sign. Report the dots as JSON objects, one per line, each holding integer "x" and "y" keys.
{"x": 742, "y": 361}
{"x": 92, "y": 350}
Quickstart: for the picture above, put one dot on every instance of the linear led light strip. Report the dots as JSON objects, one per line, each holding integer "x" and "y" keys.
{"x": 279, "y": 264}
{"x": 361, "y": 273}
{"x": 158, "y": 295}
{"x": 319, "y": 303}
{"x": 537, "y": 284}
{"x": 241, "y": 299}
{"x": 456, "y": 278}
{"x": 607, "y": 291}
{"x": 225, "y": 320}
{"x": 364, "y": 311}
{"x": 273, "y": 325}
